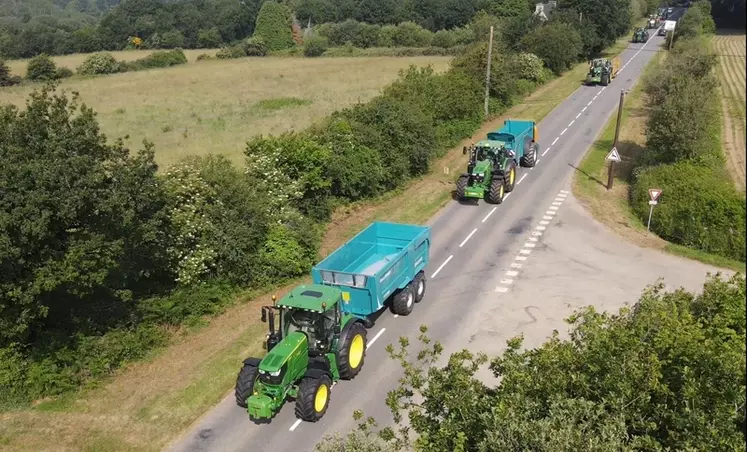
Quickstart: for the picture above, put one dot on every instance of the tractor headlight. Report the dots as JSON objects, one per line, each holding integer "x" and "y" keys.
{"x": 262, "y": 372}
{"x": 275, "y": 374}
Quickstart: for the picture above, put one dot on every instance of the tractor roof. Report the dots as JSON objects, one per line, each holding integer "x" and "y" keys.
{"x": 490, "y": 143}
{"x": 311, "y": 297}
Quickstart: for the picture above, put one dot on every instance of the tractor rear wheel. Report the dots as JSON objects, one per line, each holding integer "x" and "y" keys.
{"x": 403, "y": 301}
{"x": 419, "y": 286}
{"x": 529, "y": 159}
{"x": 511, "y": 179}
{"x": 353, "y": 352}
{"x": 497, "y": 191}
{"x": 245, "y": 384}
{"x": 461, "y": 186}
{"x": 605, "y": 80}
{"x": 313, "y": 398}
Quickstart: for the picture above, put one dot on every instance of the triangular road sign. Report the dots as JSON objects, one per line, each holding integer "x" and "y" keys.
{"x": 614, "y": 156}
{"x": 654, "y": 193}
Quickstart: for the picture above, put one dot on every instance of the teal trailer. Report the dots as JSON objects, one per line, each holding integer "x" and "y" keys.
{"x": 383, "y": 261}
{"x": 520, "y": 137}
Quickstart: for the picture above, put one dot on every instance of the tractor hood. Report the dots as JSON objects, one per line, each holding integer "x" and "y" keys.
{"x": 291, "y": 344}
{"x": 481, "y": 167}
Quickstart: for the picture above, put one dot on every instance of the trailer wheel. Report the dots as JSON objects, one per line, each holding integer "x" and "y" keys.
{"x": 313, "y": 398}
{"x": 353, "y": 352}
{"x": 403, "y": 301}
{"x": 245, "y": 384}
{"x": 461, "y": 186}
{"x": 529, "y": 159}
{"x": 419, "y": 284}
{"x": 497, "y": 191}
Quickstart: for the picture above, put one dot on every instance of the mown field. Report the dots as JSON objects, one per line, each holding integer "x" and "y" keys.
{"x": 730, "y": 47}
{"x": 215, "y": 106}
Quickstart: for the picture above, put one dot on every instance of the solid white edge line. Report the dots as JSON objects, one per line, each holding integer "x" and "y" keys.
{"x": 442, "y": 266}
{"x": 520, "y": 179}
{"x": 555, "y": 141}
{"x": 494, "y": 209}
{"x": 467, "y": 238}
{"x": 378, "y": 335}
{"x": 295, "y": 424}
{"x": 509, "y": 194}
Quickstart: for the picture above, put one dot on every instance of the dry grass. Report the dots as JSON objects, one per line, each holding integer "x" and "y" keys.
{"x": 730, "y": 48}
{"x": 150, "y": 403}
{"x": 216, "y": 106}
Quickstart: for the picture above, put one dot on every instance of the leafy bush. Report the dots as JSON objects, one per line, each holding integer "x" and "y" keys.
{"x": 557, "y": 44}
{"x": 618, "y": 383}
{"x": 255, "y": 46}
{"x": 99, "y": 64}
{"x": 315, "y": 46}
{"x": 274, "y": 26}
{"x": 699, "y": 208}
{"x": 62, "y": 72}
{"x": 235, "y": 51}
{"x": 157, "y": 59}
{"x": 40, "y": 68}
{"x": 6, "y": 78}
{"x": 205, "y": 56}
{"x": 410, "y": 34}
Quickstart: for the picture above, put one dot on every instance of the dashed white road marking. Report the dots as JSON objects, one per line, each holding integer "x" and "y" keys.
{"x": 571, "y": 123}
{"x": 442, "y": 266}
{"x": 295, "y": 424}
{"x": 553, "y": 207}
{"x": 556, "y": 203}
{"x": 515, "y": 265}
{"x": 536, "y": 233}
{"x": 467, "y": 238}
{"x": 512, "y": 273}
{"x": 589, "y": 104}
{"x": 509, "y": 194}
{"x": 507, "y": 281}
{"x": 546, "y": 150}
{"x": 491, "y": 212}
{"x": 522, "y": 178}
{"x": 547, "y": 217}
{"x": 555, "y": 141}
{"x": 564, "y": 130}
{"x": 533, "y": 239}
{"x": 525, "y": 251}
{"x": 538, "y": 160}
{"x": 501, "y": 289}
{"x": 584, "y": 109}
{"x": 579, "y": 114}
{"x": 544, "y": 222}
{"x": 378, "y": 335}
{"x": 520, "y": 258}
{"x": 540, "y": 228}
{"x": 530, "y": 245}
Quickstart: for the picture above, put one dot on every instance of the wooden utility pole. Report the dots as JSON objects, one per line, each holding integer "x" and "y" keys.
{"x": 617, "y": 136}
{"x": 487, "y": 74}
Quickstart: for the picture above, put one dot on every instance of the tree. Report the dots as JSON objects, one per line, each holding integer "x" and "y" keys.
{"x": 666, "y": 373}
{"x": 557, "y": 44}
{"x": 274, "y": 26}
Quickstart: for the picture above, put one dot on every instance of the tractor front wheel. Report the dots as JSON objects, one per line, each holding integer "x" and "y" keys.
{"x": 419, "y": 285}
{"x": 403, "y": 301}
{"x": 245, "y": 384}
{"x": 497, "y": 190}
{"x": 353, "y": 352}
{"x": 511, "y": 179}
{"x": 313, "y": 398}
{"x": 461, "y": 186}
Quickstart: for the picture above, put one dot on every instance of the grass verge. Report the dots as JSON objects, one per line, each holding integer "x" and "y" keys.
{"x": 151, "y": 402}
{"x": 612, "y": 208}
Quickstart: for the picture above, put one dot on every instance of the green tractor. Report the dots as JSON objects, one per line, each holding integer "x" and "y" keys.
{"x": 601, "y": 71}
{"x": 315, "y": 344}
{"x": 491, "y": 172}
{"x": 640, "y": 35}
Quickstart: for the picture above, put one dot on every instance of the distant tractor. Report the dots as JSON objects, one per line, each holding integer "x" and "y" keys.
{"x": 640, "y": 35}
{"x": 652, "y": 22}
{"x": 602, "y": 71}
{"x": 493, "y": 163}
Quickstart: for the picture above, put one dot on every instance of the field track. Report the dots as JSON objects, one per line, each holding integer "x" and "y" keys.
{"x": 730, "y": 49}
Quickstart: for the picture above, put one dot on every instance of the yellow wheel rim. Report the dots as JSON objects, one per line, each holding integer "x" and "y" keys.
{"x": 355, "y": 356}
{"x": 321, "y": 398}
{"x": 501, "y": 192}
{"x": 512, "y": 176}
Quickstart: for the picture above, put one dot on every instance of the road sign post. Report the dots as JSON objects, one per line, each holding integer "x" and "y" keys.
{"x": 614, "y": 157}
{"x": 653, "y": 194}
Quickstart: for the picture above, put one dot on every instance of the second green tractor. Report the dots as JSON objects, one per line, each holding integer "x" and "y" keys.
{"x": 640, "y": 35}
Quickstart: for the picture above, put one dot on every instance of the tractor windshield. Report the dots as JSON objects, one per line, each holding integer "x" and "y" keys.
{"x": 317, "y": 327}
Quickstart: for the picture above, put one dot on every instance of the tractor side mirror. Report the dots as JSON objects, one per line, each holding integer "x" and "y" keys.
{"x": 464, "y": 150}
{"x": 264, "y": 315}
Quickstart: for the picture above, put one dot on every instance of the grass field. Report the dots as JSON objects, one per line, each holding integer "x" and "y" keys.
{"x": 612, "y": 207}
{"x": 730, "y": 46}
{"x": 215, "y": 106}
{"x": 152, "y": 402}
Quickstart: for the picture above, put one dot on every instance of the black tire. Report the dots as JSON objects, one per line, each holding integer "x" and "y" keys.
{"x": 404, "y": 301}
{"x": 511, "y": 182}
{"x": 245, "y": 384}
{"x": 307, "y": 391}
{"x": 349, "y": 369}
{"x": 418, "y": 285}
{"x": 588, "y": 79}
{"x": 461, "y": 186}
{"x": 605, "y": 80}
{"x": 529, "y": 159}
{"x": 497, "y": 191}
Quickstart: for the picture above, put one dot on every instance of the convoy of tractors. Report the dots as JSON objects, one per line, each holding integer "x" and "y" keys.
{"x": 318, "y": 331}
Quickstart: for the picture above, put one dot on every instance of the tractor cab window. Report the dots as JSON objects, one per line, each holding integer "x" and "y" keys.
{"x": 483, "y": 153}
{"x": 317, "y": 327}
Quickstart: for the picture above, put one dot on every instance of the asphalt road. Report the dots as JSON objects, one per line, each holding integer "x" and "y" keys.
{"x": 476, "y": 254}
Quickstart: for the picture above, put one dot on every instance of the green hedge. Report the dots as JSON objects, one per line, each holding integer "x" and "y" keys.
{"x": 698, "y": 208}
